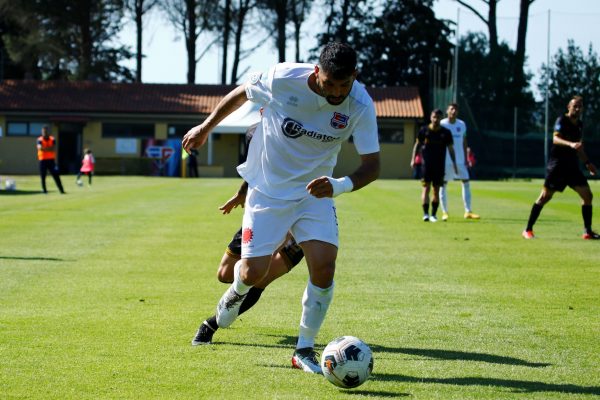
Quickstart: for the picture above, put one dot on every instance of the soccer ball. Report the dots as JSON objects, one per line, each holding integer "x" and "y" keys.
{"x": 9, "y": 184}
{"x": 347, "y": 362}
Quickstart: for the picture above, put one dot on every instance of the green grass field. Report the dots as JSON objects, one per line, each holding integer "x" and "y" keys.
{"x": 101, "y": 291}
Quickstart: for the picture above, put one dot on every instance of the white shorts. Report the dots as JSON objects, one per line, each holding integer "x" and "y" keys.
{"x": 267, "y": 221}
{"x": 463, "y": 173}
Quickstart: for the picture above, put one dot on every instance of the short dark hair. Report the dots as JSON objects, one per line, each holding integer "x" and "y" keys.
{"x": 338, "y": 60}
{"x": 455, "y": 105}
{"x": 576, "y": 98}
{"x": 437, "y": 111}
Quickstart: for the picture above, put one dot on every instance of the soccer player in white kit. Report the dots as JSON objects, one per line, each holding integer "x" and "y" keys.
{"x": 309, "y": 111}
{"x": 459, "y": 136}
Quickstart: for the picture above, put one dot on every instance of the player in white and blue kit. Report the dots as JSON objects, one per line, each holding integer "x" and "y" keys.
{"x": 459, "y": 136}
{"x": 309, "y": 111}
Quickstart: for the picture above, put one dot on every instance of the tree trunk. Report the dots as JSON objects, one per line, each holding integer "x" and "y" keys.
{"x": 226, "y": 32}
{"x": 138, "y": 24}
{"x": 518, "y": 74}
{"x": 239, "y": 29}
{"x": 281, "y": 11}
{"x": 493, "y": 28}
{"x": 190, "y": 40}
{"x": 85, "y": 46}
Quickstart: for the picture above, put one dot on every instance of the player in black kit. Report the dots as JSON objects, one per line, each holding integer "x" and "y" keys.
{"x": 432, "y": 141}
{"x": 283, "y": 260}
{"x": 563, "y": 168}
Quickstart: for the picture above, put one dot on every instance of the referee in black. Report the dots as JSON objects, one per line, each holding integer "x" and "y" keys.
{"x": 563, "y": 168}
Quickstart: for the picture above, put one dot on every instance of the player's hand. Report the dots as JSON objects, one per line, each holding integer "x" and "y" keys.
{"x": 412, "y": 164}
{"x": 320, "y": 187}
{"x": 194, "y": 138}
{"x": 591, "y": 168}
{"x": 576, "y": 145}
{"x": 237, "y": 200}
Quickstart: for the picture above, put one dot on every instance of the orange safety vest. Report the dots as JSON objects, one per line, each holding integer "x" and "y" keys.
{"x": 46, "y": 154}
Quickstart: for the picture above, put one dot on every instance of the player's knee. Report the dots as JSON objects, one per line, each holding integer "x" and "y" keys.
{"x": 253, "y": 271}
{"x": 225, "y": 273}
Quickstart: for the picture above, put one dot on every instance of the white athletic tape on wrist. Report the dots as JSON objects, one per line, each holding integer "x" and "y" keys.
{"x": 341, "y": 185}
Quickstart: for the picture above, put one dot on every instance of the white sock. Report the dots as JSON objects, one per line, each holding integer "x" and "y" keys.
{"x": 466, "y": 194}
{"x": 444, "y": 198}
{"x": 315, "y": 303}
{"x": 239, "y": 286}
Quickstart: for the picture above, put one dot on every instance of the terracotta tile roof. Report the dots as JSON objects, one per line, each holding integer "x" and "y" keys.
{"x": 397, "y": 102}
{"x": 102, "y": 97}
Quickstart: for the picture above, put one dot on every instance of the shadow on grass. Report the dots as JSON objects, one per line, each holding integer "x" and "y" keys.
{"x": 436, "y": 353}
{"x": 19, "y": 192}
{"x": 32, "y": 258}
{"x": 458, "y": 355}
{"x": 519, "y": 386}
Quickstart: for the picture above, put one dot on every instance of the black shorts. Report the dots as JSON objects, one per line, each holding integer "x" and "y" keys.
{"x": 234, "y": 248}
{"x": 291, "y": 252}
{"x": 559, "y": 176}
{"x": 434, "y": 175}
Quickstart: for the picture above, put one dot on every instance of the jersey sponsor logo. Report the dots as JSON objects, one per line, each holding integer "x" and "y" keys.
{"x": 339, "y": 121}
{"x": 247, "y": 235}
{"x": 294, "y": 129}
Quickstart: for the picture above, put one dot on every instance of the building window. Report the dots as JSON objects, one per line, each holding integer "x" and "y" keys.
{"x": 391, "y": 135}
{"x": 24, "y": 128}
{"x": 127, "y": 130}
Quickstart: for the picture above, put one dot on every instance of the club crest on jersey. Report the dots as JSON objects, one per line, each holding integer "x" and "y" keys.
{"x": 339, "y": 121}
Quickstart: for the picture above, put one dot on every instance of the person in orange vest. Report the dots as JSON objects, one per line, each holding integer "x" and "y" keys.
{"x": 46, "y": 146}
{"x": 87, "y": 167}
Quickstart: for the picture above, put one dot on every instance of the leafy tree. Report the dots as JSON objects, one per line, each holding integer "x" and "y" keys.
{"x": 396, "y": 44}
{"x": 192, "y": 18}
{"x": 572, "y": 72}
{"x": 489, "y": 21}
{"x": 486, "y": 85}
{"x": 61, "y": 39}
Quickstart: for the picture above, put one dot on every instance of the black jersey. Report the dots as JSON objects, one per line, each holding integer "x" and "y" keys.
{"x": 434, "y": 144}
{"x": 565, "y": 128}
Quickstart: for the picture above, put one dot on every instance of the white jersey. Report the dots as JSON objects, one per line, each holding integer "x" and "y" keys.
{"x": 301, "y": 134}
{"x": 459, "y": 132}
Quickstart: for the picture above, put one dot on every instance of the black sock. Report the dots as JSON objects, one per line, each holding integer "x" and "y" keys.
{"x": 426, "y": 208}
{"x": 434, "y": 207}
{"x": 251, "y": 299}
{"x": 586, "y": 212}
{"x": 533, "y": 216}
{"x": 212, "y": 322}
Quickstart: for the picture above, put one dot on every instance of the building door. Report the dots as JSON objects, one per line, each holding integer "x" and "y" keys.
{"x": 69, "y": 148}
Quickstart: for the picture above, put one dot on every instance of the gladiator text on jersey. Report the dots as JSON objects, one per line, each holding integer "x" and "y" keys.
{"x": 294, "y": 129}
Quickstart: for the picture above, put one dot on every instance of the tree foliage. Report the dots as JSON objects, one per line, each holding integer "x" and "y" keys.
{"x": 572, "y": 72}
{"x": 486, "y": 85}
{"x": 61, "y": 39}
{"x": 396, "y": 44}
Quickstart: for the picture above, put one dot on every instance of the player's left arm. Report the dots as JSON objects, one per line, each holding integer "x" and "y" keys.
{"x": 367, "y": 172}
{"x": 586, "y": 161}
{"x": 464, "y": 149}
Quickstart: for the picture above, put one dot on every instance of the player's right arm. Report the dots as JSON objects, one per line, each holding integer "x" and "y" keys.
{"x": 416, "y": 149}
{"x": 558, "y": 140}
{"x": 197, "y": 136}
